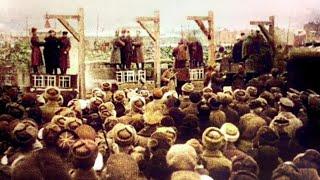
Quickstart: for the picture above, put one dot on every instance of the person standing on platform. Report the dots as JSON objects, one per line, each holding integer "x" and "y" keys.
{"x": 237, "y": 49}
{"x": 36, "y": 55}
{"x": 181, "y": 55}
{"x": 123, "y": 49}
{"x": 117, "y": 44}
{"x": 128, "y": 48}
{"x": 196, "y": 52}
{"x": 138, "y": 51}
{"x": 51, "y": 53}
{"x": 64, "y": 52}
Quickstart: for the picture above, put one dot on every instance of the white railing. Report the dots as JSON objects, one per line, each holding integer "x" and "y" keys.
{"x": 130, "y": 76}
{"x": 196, "y": 74}
{"x": 43, "y": 81}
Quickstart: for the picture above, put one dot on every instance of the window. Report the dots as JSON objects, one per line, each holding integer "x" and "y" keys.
{"x": 64, "y": 81}
{"x": 38, "y": 81}
{"x": 49, "y": 80}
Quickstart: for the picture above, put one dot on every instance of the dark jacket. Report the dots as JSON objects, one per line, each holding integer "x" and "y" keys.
{"x": 51, "y": 52}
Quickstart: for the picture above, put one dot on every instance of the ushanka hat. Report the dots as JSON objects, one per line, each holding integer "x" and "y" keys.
{"x": 240, "y": 95}
{"x": 267, "y": 136}
{"x": 66, "y": 112}
{"x": 50, "y": 134}
{"x": 166, "y": 133}
{"x": 188, "y": 87}
{"x": 106, "y": 86}
{"x": 224, "y": 98}
{"x": 182, "y": 157}
{"x": 66, "y": 139}
{"x": 84, "y": 153}
{"x": 110, "y": 122}
{"x": 119, "y": 96}
{"x": 137, "y": 103}
{"x": 212, "y": 138}
{"x": 25, "y": 132}
{"x": 16, "y": 110}
{"x": 59, "y": 120}
{"x": 52, "y": 93}
{"x": 244, "y": 162}
{"x": 106, "y": 110}
{"x": 72, "y": 123}
{"x": 286, "y": 102}
{"x": 86, "y": 132}
{"x": 124, "y": 135}
{"x": 252, "y": 91}
{"x": 230, "y": 131}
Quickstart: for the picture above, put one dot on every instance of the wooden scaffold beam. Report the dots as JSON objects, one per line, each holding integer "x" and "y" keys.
{"x": 208, "y": 32}
{"x": 79, "y": 36}
{"x": 269, "y": 34}
{"x": 154, "y": 34}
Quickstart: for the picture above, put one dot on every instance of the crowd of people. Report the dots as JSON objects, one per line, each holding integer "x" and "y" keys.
{"x": 55, "y": 52}
{"x": 261, "y": 130}
{"x": 127, "y": 50}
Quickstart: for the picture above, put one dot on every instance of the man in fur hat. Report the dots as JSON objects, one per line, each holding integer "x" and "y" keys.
{"x": 117, "y": 44}
{"x": 187, "y": 89}
{"x": 51, "y": 94}
{"x": 138, "y": 51}
{"x": 231, "y": 134}
{"x": 214, "y": 161}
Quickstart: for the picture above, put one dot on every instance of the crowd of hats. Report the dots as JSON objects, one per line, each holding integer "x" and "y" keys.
{"x": 258, "y": 132}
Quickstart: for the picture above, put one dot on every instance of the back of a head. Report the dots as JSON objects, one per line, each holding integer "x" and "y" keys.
{"x": 40, "y": 165}
{"x": 120, "y": 166}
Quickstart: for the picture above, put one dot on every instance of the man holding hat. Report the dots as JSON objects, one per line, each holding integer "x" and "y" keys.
{"x": 64, "y": 52}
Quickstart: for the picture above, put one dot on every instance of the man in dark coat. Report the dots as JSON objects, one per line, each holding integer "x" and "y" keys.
{"x": 196, "y": 53}
{"x": 128, "y": 50}
{"x": 122, "y": 49}
{"x": 237, "y": 49}
{"x": 36, "y": 55}
{"x": 51, "y": 53}
{"x": 138, "y": 51}
{"x": 64, "y": 52}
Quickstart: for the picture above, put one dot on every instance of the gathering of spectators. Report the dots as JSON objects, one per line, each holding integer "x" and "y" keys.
{"x": 259, "y": 130}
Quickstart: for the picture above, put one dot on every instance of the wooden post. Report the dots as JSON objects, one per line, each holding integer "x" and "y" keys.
{"x": 211, "y": 38}
{"x": 79, "y": 36}
{"x": 208, "y": 32}
{"x": 269, "y": 34}
{"x": 81, "y": 55}
{"x": 155, "y": 36}
{"x": 271, "y": 26}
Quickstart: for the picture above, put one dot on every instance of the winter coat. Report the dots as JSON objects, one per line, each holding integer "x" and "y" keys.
{"x": 117, "y": 44}
{"x": 36, "y": 55}
{"x": 49, "y": 109}
{"x": 195, "y": 52}
{"x": 51, "y": 52}
{"x": 215, "y": 161}
{"x": 137, "y": 50}
{"x": 64, "y": 57}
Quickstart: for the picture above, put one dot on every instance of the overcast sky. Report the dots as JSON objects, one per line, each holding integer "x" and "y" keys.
{"x": 113, "y": 14}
